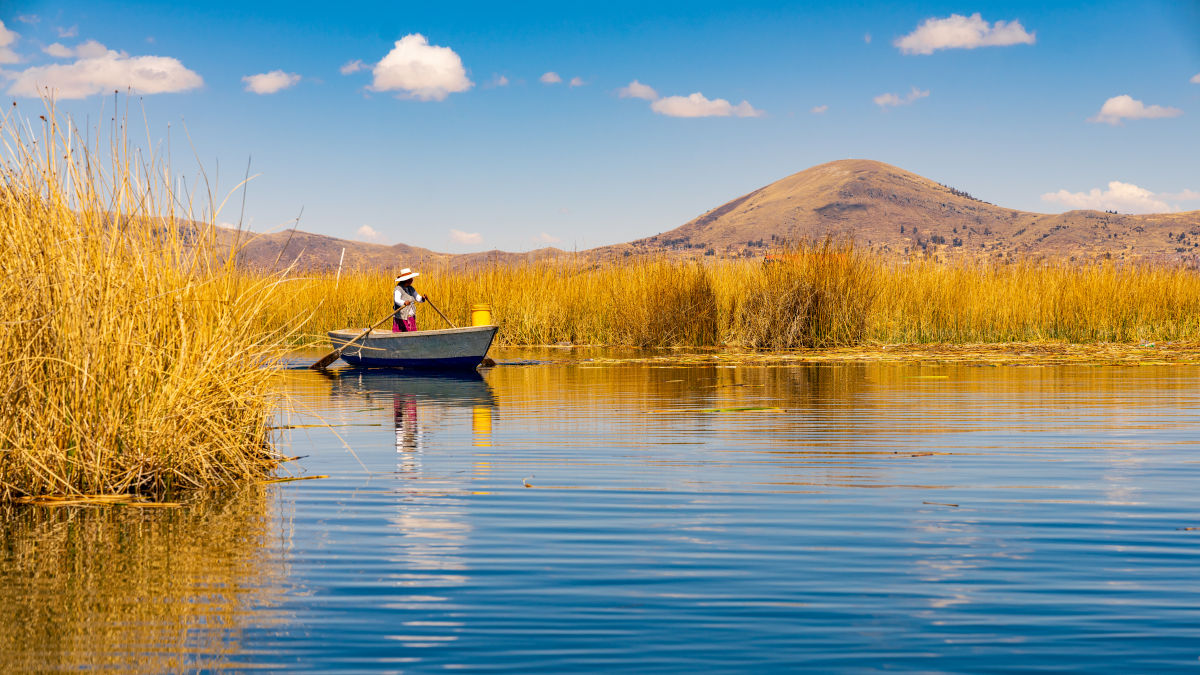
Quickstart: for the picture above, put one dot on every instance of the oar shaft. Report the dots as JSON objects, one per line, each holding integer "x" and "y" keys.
{"x": 448, "y": 321}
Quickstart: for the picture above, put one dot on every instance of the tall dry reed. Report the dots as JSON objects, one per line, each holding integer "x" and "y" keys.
{"x": 132, "y": 361}
{"x": 818, "y": 295}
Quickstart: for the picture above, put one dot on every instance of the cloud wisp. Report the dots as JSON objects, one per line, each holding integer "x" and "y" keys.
{"x": 270, "y": 83}
{"x": 893, "y": 100}
{"x": 1195, "y": 79}
{"x": 636, "y": 89}
{"x": 550, "y": 77}
{"x": 89, "y": 49}
{"x": 1124, "y": 198}
{"x": 460, "y": 237}
{"x": 350, "y": 67}
{"x": 100, "y": 70}
{"x": 963, "y": 32}
{"x": 696, "y": 105}
{"x": 368, "y": 233}
{"x": 419, "y": 70}
{"x": 546, "y": 238}
{"x": 692, "y": 105}
{"x": 1125, "y": 107}
{"x": 819, "y": 109}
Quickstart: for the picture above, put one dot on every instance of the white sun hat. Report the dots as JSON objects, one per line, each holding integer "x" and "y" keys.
{"x": 406, "y": 274}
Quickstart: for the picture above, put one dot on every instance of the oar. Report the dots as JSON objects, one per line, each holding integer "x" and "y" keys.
{"x": 448, "y": 321}
{"x": 337, "y": 353}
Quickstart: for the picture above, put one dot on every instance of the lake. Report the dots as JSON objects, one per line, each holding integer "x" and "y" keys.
{"x": 558, "y": 514}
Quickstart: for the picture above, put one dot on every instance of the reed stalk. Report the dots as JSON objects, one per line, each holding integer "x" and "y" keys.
{"x": 132, "y": 358}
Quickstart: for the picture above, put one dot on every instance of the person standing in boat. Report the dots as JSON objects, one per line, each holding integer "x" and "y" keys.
{"x": 403, "y": 300}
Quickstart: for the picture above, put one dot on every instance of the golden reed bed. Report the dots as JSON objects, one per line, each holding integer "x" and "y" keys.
{"x": 132, "y": 362}
{"x": 819, "y": 296}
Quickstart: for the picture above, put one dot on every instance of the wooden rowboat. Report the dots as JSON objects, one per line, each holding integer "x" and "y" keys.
{"x": 446, "y": 349}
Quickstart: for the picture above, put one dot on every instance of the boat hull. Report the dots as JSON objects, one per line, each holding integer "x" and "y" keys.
{"x": 447, "y": 349}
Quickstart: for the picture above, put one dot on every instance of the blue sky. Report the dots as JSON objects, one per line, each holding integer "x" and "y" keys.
{"x": 1093, "y": 104}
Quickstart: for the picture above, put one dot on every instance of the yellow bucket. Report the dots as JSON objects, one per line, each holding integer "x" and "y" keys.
{"x": 481, "y": 314}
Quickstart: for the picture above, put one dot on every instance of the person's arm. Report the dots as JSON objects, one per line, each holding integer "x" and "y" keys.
{"x": 398, "y": 297}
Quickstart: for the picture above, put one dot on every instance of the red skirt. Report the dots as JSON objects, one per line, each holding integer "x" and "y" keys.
{"x": 407, "y": 326}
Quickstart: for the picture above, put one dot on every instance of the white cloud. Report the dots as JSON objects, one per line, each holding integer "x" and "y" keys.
{"x": 867, "y": 38}
{"x": 819, "y": 109}
{"x": 1123, "y": 197}
{"x": 696, "y": 105}
{"x": 1195, "y": 79}
{"x": 28, "y": 18}
{"x": 460, "y": 237}
{"x": 105, "y": 73}
{"x": 420, "y": 70}
{"x": 68, "y": 32}
{"x": 962, "y": 32}
{"x": 546, "y": 238}
{"x": 59, "y": 51}
{"x": 352, "y": 67}
{"x": 577, "y": 82}
{"x": 7, "y": 39}
{"x": 1124, "y": 106}
{"x": 270, "y": 83}
{"x": 368, "y": 233}
{"x": 499, "y": 81}
{"x": 885, "y": 100}
{"x": 88, "y": 50}
{"x": 550, "y": 78}
{"x": 636, "y": 89}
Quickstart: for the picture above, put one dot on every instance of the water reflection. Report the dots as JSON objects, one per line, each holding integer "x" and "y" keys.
{"x": 138, "y": 589}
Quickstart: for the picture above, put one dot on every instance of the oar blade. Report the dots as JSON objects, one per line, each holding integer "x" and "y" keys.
{"x": 328, "y": 359}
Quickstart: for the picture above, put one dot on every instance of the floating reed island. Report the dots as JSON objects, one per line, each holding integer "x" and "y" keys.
{"x": 817, "y": 295}
{"x": 133, "y": 360}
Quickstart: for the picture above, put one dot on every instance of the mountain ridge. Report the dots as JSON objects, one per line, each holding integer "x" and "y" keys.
{"x": 881, "y": 207}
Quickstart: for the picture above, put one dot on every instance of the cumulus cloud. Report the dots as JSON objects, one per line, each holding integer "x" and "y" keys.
{"x": 885, "y": 100}
{"x": 460, "y": 237}
{"x": 7, "y": 39}
{"x": 1195, "y": 79}
{"x": 636, "y": 89}
{"x": 88, "y": 50}
{"x": 550, "y": 78}
{"x": 1126, "y": 107}
{"x": 352, "y": 67}
{"x": 269, "y": 83}
{"x": 696, "y": 105}
{"x": 420, "y": 70}
{"x": 105, "y": 72}
{"x": 1123, "y": 197}
{"x": 819, "y": 109}
{"x": 577, "y": 82}
{"x": 963, "y": 32}
{"x": 368, "y": 233}
{"x": 546, "y": 238}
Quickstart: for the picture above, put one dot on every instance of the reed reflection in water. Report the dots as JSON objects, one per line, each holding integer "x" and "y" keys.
{"x": 139, "y": 589}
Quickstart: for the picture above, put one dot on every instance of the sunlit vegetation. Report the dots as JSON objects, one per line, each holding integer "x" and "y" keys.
{"x": 132, "y": 359}
{"x": 815, "y": 295}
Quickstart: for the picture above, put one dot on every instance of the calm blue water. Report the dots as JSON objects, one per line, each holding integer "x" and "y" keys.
{"x": 583, "y": 517}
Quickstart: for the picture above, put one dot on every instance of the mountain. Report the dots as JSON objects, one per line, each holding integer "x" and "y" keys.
{"x": 895, "y": 211}
{"x": 879, "y": 206}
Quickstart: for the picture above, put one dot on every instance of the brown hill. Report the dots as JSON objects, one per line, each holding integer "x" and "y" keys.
{"x": 878, "y": 205}
{"x": 896, "y": 211}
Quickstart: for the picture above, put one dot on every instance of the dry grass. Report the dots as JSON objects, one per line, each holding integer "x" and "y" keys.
{"x": 131, "y": 360}
{"x": 820, "y": 295}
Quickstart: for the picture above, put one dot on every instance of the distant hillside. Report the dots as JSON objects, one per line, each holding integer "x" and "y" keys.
{"x": 878, "y": 205}
{"x": 896, "y": 211}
